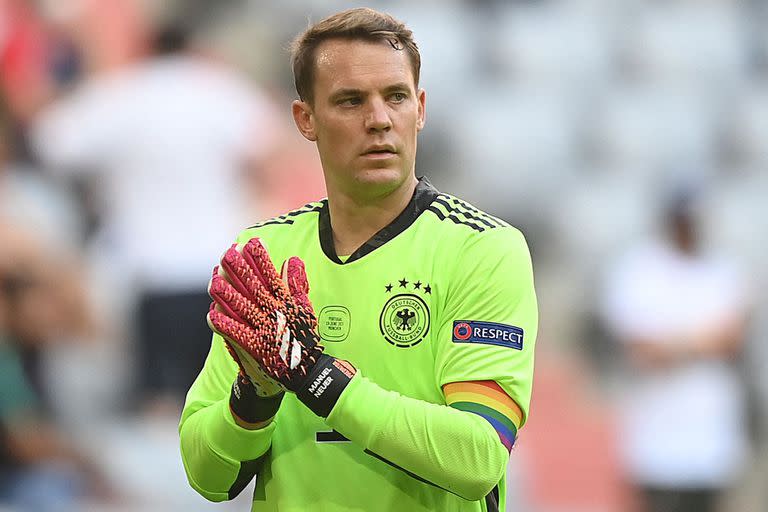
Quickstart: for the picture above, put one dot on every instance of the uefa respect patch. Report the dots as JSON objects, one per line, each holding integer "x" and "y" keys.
{"x": 488, "y": 333}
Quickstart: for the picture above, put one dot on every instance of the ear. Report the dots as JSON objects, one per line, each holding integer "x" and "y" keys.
{"x": 421, "y": 96}
{"x": 304, "y": 119}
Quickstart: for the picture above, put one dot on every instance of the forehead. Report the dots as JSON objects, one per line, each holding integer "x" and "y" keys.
{"x": 358, "y": 64}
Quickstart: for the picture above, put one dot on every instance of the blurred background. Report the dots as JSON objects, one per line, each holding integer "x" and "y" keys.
{"x": 628, "y": 140}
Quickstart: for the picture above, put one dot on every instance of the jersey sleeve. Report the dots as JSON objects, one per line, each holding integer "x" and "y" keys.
{"x": 439, "y": 445}
{"x": 487, "y": 329}
{"x": 219, "y": 456}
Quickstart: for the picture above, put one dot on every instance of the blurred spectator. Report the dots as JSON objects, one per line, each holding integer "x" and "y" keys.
{"x": 680, "y": 313}
{"x": 166, "y": 140}
{"x": 40, "y": 303}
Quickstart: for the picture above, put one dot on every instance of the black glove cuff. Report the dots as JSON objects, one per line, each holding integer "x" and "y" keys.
{"x": 248, "y": 405}
{"x": 323, "y": 386}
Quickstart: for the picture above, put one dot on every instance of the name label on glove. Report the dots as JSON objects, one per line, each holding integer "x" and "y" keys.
{"x": 327, "y": 380}
{"x": 321, "y": 383}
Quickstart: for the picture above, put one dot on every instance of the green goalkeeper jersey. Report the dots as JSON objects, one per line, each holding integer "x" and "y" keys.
{"x": 444, "y": 294}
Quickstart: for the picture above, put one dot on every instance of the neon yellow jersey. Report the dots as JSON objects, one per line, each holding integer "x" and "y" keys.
{"x": 443, "y": 294}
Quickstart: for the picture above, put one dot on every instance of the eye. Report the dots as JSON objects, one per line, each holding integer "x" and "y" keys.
{"x": 398, "y": 97}
{"x": 350, "y": 101}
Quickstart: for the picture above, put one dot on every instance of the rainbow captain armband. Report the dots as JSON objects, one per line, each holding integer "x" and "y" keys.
{"x": 487, "y": 399}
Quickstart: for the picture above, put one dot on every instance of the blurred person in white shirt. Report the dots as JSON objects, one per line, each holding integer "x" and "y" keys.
{"x": 160, "y": 138}
{"x": 680, "y": 313}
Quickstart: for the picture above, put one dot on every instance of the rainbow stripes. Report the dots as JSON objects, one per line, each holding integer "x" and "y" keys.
{"x": 487, "y": 399}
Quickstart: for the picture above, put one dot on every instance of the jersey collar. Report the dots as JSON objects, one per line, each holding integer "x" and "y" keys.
{"x": 423, "y": 196}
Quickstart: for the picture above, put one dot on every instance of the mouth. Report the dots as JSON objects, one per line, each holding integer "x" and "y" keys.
{"x": 384, "y": 151}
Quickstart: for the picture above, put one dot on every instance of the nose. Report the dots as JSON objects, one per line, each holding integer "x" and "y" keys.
{"x": 377, "y": 118}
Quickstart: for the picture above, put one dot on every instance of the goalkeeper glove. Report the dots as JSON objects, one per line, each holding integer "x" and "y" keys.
{"x": 271, "y": 319}
{"x": 250, "y": 371}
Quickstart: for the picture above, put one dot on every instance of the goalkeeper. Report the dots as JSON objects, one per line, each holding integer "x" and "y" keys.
{"x": 372, "y": 351}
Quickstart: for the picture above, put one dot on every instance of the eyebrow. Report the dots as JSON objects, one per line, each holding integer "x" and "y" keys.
{"x": 341, "y": 93}
{"x": 400, "y": 86}
{"x": 345, "y": 92}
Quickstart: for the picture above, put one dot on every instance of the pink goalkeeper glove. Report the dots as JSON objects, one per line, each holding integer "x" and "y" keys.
{"x": 269, "y": 320}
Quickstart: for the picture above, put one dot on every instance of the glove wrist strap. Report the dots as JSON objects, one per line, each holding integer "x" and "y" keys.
{"x": 248, "y": 406}
{"x": 324, "y": 384}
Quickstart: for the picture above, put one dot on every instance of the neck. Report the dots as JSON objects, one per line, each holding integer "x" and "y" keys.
{"x": 356, "y": 220}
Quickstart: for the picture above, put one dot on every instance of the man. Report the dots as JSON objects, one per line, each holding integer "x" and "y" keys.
{"x": 680, "y": 312}
{"x": 165, "y": 118}
{"x": 430, "y": 302}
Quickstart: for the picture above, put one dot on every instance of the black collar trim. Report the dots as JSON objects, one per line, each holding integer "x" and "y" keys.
{"x": 423, "y": 196}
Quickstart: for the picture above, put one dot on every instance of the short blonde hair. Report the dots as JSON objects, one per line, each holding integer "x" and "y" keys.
{"x": 360, "y": 23}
